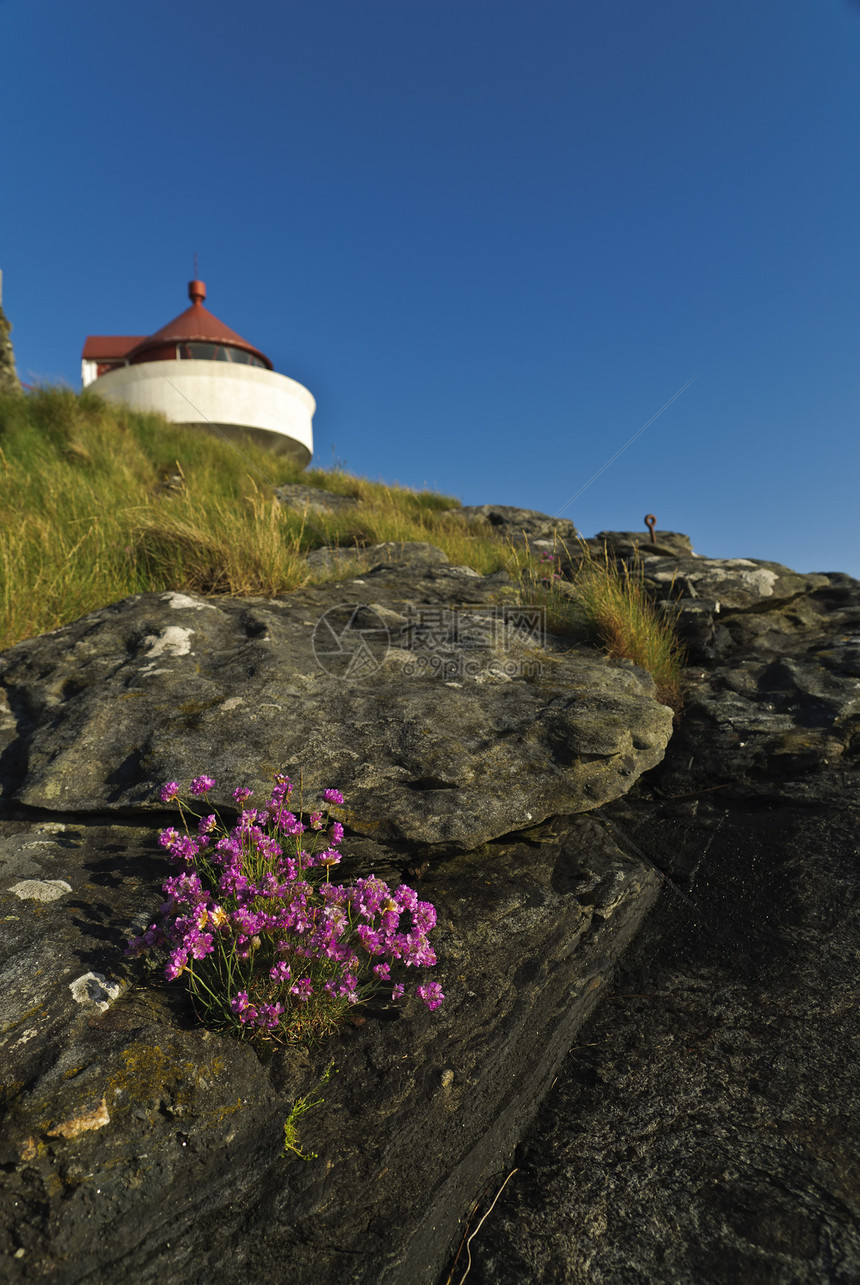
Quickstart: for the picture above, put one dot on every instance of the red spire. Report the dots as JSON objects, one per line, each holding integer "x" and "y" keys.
{"x": 195, "y": 325}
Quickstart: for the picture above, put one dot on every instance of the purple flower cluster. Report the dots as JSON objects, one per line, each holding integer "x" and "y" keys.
{"x": 267, "y": 944}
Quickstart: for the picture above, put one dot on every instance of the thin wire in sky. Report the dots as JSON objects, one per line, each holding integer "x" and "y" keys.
{"x": 657, "y": 415}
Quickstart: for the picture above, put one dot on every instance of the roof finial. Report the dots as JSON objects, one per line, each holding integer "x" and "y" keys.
{"x": 196, "y": 289}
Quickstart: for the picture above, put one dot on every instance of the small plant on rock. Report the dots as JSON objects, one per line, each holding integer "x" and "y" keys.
{"x": 604, "y": 601}
{"x": 299, "y": 1108}
{"x": 268, "y": 946}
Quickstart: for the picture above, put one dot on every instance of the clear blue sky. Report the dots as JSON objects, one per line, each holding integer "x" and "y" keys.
{"x": 493, "y": 237}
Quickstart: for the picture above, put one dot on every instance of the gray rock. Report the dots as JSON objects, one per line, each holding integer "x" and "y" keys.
{"x": 670, "y": 544}
{"x": 137, "y": 1146}
{"x": 510, "y": 521}
{"x": 731, "y": 582}
{"x": 314, "y": 499}
{"x": 413, "y": 552}
{"x": 406, "y": 688}
{"x": 777, "y": 714}
{"x": 705, "y": 1128}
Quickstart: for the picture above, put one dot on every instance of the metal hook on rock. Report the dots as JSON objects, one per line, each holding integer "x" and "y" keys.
{"x": 651, "y": 522}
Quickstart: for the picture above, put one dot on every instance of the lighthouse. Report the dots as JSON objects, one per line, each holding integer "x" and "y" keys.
{"x": 200, "y": 373}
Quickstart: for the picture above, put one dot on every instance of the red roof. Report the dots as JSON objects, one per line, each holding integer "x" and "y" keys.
{"x": 110, "y": 347}
{"x": 195, "y": 324}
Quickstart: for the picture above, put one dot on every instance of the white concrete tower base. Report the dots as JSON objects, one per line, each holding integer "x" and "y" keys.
{"x": 235, "y": 399}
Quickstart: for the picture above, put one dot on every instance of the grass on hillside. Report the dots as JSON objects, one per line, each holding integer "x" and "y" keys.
{"x": 86, "y": 519}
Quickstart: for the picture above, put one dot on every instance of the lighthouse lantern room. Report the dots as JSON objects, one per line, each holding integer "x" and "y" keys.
{"x": 199, "y": 372}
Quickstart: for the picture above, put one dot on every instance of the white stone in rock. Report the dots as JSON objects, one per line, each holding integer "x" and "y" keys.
{"x": 172, "y": 641}
{"x": 179, "y": 600}
{"x": 94, "y": 988}
{"x": 40, "y": 889}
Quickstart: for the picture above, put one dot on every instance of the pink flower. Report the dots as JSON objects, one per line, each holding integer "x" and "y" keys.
{"x": 269, "y": 1015}
{"x": 431, "y": 993}
{"x": 424, "y": 917}
{"x": 177, "y": 964}
{"x": 406, "y": 897}
{"x": 369, "y": 939}
{"x": 239, "y": 907}
{"x": 243, "y": 1007}
{"x": 202, "y": 946}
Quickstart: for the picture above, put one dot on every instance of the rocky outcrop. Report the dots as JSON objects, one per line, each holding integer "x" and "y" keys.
{"x": 705, "y": 1128}
{"x": 510, "y": 522}
{"x": 468, "y": 743}
{"x": 425, "y": 693}
{"x": 528, "y": 785}
{"x": 635, "y": 544}
{"x": 368, "y": 557}
{"x": 311, "y": 499}
{"x": 9, "y": 382}
{"x": 136, "y": 1145}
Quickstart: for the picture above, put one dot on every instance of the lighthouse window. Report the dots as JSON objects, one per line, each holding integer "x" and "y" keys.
{"x": 218, "y": 352}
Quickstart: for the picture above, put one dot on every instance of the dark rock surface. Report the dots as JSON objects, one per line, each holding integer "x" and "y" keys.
{"x": 511, "y": 522}
{"x": 635, "y": 543}
{"x": 443, "y": 725}
{"x": 137, "y": 1146}
{"x": 704, "y": 1126}
{"x": 705, "y": 1129}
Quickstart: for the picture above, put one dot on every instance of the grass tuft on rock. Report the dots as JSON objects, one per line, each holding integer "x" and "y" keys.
{"x": 606, "y": 603}
{"x": 628, "y": 625}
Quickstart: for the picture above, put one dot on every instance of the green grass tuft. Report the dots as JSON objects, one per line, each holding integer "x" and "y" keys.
{"x": 300, "y": 1107}
{"x": 607, "y": 604}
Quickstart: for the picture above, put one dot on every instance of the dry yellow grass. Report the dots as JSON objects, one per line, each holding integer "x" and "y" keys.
{"x": 85, "y": 519}
{"x": 607, "y": 603}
